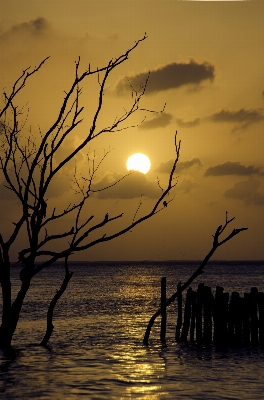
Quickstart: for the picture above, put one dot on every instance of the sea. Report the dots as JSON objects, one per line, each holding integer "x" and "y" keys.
{"x": 96, "y": 350}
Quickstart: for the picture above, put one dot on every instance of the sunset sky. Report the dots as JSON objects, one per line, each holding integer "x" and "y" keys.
{"x": 206, "y": 62}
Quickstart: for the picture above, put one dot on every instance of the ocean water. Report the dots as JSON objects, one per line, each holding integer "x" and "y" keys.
{"x": 96, "y": 349}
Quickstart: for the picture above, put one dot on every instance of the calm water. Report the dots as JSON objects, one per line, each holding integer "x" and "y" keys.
{"x": 96, "y": 349}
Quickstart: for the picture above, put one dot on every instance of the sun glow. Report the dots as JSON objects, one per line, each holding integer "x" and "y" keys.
{"x": 138, "y": 162}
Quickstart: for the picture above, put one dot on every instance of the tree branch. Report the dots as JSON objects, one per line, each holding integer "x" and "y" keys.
{"x": 198, "y": 272}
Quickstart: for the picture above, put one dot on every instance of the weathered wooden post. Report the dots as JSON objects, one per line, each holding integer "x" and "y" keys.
{"x": 218, "y": 315}
{"x": 199, "y": 314}
{"x": 179, "y": 317}
{"x": 163, "y": 311}
{"x": 193, "y": 316}
{"x": 187, "y": 315}
{"x": 231, "y": 319}
{"x": 261, "y": 318}
{"x": 254, "y": 316}
{"x": 237, "y": 314}
{"x": 246, "y": 320}
{"x": 207, "y": 305}
{"x": 239, "y": 322}
{"x": 225, "y": 301}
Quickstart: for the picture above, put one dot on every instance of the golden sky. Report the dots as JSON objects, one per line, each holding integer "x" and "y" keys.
{"x": 206, "y": 62}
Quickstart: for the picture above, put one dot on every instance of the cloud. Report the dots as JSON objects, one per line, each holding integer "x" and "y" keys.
{"x": 134, "y": 185}
{"x": 36, "y": 28}
{"x": 246, "y": 191}
{"x": 158, "y": 121}
{"x": 170, "y": 76}
{"x": 187, "y": 185}
{"x": 188, "y": 124}
{"x": 232, "y": 168}
{"x": 166, "y": 167}
{"x": 243, "y": 117}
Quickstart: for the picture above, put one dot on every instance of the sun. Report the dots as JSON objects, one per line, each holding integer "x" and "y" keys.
{"x": 138, "y": 162}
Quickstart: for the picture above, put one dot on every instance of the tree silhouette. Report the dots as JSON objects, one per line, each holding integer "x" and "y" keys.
{"x": 29, "y": 166}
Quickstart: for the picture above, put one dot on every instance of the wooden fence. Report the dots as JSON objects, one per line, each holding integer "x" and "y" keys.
{"x": 217, "y": 318}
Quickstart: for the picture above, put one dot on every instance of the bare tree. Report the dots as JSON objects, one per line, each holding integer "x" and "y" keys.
{"x": 29, "y": 166}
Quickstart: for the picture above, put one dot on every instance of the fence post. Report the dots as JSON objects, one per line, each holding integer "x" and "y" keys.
{"x": 261, "y": 318}
{"x": 207, "y": 304}
{"x": 218, "y": 314}
{"x": 199, "y": 314}
{"x": 193, "y": 316}
{"x": 231, "y": 318}
{"x": 163, "y": 312}
{"x": 246, "y": 320}
{"x": 187, "y": 315}
{"x": 254, "y": 316}
{"x": 238, "y": 320}
{"x": 179, "y": 318}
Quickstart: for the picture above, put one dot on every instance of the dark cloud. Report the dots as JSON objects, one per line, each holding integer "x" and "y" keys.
{"x": 130, "y": 187}
{"x": 232, "y": 168}
{"x": 188, "y": 124}
{"x": 38, "y": 27}
{"x": 242, "y": 117}
{"x": 246, "y": 191}
{"x": 158, "y": 121}
{"x": 170, "y": 76}
{"x": 166, "y": 167}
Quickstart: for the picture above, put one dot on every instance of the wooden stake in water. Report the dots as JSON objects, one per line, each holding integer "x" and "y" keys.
{"x": 163, "y": 311}
{"x": 254, "y": 316}
{"x": 187, "y": 315}
{"x": 261, "y": 318}
{"x": 199, "y": 314}
{"x": 179, "y": 317}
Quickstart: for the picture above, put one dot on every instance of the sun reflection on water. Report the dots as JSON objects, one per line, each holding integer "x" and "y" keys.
{"x": 151, "y": 392}
{"x": 130, "y": 369}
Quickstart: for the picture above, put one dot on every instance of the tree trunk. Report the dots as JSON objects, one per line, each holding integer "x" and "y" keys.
{"x": 52, "y": 305}
{"x": 11, "y": 314}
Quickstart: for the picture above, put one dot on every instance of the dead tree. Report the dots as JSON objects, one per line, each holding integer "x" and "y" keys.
{"x": 29, "y": 166}
{"x": 216, "y": 243}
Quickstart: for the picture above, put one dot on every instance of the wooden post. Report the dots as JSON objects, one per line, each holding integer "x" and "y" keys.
{"x": 218, "y": 315}
{"x": 224, "y": 326}
{"x": 163, "y": 312}
{"x": 261, "y": 318}
{"x": 179, "y": 318}
{"x": 187, "y": 315}
{"x": 239, "y": 322}
{"x": 237, "y": 316}
{"x": 254, "y": 316}
{"x": 246, "y": 320}
{"x": 231, "y": 318}
{"x": 193, "y": 316}
{"x": 207, "y": 303}
{"x": 199, "y": 314}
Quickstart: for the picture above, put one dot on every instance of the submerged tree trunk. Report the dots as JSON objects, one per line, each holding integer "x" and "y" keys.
{"x": 11, "y": 314}
{"x": 52, "y": 305}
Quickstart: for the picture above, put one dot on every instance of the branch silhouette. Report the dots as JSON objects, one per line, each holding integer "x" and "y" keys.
{"x": 199, "y": 271}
